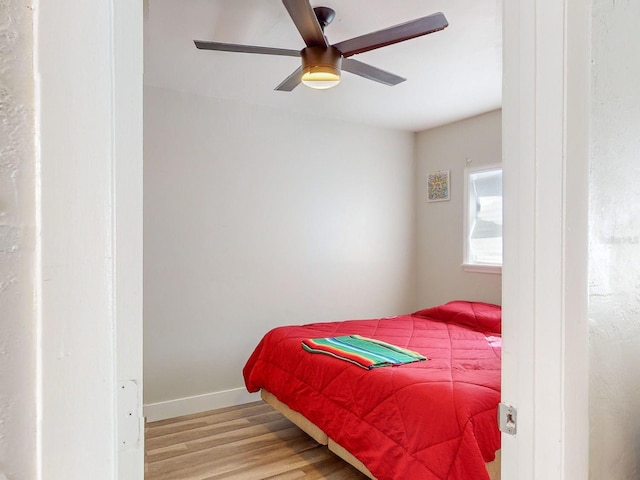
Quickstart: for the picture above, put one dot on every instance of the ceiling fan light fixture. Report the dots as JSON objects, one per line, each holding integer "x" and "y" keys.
{"x": 321, "y": 67}
{"x": 321, "y": 77}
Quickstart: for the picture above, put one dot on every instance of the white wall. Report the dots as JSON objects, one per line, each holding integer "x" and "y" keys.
{"x": 17, "y": 238}
{"x": 440, "y": 230}
{"x": 615, "y": 242}
{"x": 255, "y": 218}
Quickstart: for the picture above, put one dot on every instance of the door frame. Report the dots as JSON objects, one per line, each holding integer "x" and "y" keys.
{"x": 95, "y": 48}
{"x": 88, "y": 106}
{"x": 546, "y": 93}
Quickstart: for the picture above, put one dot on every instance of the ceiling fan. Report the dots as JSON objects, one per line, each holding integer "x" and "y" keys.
{"x": 322, "y": 62}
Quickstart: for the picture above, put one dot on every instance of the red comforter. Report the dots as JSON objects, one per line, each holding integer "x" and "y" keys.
{"x": 419, "y": 421}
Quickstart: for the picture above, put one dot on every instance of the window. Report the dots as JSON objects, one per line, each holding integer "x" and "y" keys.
{"x": 483, "y": 219}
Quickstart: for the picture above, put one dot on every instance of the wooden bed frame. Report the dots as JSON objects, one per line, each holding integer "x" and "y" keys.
{"x": 319, "y": 436}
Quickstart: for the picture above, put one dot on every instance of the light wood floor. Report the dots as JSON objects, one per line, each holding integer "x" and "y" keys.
{"x": 249, "y": 442}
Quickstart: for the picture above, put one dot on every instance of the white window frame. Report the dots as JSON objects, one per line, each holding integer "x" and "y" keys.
{"x": 467, "y": 264}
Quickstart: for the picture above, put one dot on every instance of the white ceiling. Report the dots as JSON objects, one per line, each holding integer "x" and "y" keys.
{"x": 452, "y": 74}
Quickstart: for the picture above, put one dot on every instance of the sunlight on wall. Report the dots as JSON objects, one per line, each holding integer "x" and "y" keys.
{"x": 615, "y": 243}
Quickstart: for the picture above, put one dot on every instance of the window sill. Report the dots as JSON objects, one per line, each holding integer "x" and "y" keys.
{"x": 475, "y": 268}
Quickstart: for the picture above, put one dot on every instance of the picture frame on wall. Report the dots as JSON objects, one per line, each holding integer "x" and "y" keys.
{"x": 438, "y": 186}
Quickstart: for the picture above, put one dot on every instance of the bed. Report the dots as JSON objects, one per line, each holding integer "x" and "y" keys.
{"x": 428, "y": 420}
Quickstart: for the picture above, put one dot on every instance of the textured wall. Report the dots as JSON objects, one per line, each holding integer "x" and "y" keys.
{"x": 17, "y": 324}
{"x": 615, "y": 242}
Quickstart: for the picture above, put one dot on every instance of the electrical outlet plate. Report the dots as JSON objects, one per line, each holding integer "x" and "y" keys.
{"x": 507, "y": 419}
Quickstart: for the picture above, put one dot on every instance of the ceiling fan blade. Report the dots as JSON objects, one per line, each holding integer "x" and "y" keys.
{"x": 232, "y": 47}
{"x": 291, "y": 82}
{"x": 372, "y": 73}
{"x": 306, "y": 22}
{"x": 391, "y": 35}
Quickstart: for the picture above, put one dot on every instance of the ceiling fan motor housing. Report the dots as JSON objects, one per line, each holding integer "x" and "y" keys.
{"x": 325, "y": 58}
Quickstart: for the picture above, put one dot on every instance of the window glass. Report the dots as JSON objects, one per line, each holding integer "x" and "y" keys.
{"x": 484, "y": 217}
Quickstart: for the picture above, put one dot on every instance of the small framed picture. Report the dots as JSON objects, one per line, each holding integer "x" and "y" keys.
{"x": 438, "y": 186}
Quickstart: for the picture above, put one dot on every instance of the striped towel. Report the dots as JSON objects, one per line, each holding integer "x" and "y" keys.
{"x": 364, "y": 352}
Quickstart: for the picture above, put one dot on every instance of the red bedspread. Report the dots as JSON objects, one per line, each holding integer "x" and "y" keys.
{"x": 419, "y": 421}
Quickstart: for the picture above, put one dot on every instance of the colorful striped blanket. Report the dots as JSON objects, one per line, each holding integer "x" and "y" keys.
{"x": 365, "y": 352}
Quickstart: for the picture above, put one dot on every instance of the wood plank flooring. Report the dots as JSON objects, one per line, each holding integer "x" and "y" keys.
{"x": 248, "y": 442}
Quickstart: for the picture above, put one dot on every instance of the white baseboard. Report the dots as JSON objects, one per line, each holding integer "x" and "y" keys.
{"x": 200, "y": 403}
